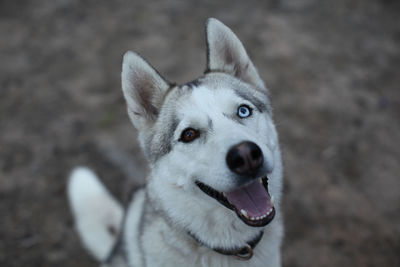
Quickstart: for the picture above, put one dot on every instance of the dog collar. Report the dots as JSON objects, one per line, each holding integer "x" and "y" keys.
{"x": 243, "y": 253}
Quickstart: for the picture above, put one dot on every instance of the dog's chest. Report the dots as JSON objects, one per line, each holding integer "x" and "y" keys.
{"x": 148, "y": 240}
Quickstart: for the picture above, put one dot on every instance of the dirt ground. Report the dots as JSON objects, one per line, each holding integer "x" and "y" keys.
{"x": 333, "y": 68}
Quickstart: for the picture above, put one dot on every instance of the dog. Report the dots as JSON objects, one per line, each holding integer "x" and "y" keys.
{"x": 214, "y": 187}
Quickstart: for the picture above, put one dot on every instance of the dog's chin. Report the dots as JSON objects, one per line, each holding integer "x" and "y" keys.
{"x": 251, "y": 202}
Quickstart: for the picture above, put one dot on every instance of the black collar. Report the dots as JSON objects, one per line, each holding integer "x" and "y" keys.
{"x": 242, "y": 253}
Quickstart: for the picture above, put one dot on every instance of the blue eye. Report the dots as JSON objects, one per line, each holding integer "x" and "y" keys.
{"x": 244, "y": 111}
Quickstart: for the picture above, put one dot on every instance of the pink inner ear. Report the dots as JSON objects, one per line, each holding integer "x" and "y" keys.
{"x": 145, "y": 87}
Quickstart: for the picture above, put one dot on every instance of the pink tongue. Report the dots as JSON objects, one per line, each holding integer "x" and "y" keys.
{"x": 252, "y": 198}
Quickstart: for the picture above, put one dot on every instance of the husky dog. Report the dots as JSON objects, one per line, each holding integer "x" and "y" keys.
{"x": 214, "y": 188}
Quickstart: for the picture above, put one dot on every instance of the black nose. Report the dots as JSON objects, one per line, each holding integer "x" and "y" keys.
{"x": 245, "y": 158}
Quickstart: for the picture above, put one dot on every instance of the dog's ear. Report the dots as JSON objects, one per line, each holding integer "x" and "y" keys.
{"x": 144, "y": 90}
{"x": 226, "y": 53}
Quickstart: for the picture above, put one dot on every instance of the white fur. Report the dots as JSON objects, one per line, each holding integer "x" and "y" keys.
{"x": 95, "y": 211}
{"x": 132, "y": 231}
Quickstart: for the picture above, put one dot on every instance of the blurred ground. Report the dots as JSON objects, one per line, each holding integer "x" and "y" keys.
{"x": 333, "y": 70}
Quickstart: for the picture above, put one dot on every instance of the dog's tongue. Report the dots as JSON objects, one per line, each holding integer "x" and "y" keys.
{"x": 253, "y": 198}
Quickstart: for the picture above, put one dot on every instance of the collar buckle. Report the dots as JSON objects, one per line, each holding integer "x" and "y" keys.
{"x": 245, "y": 254}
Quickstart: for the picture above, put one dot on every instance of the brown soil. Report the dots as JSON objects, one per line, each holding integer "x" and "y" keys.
{"x": 333, "y": 70}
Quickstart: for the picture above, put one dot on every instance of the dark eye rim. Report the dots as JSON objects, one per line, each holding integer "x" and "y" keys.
{"x": 195, "y": 136}
{"x": 248, "y": 107}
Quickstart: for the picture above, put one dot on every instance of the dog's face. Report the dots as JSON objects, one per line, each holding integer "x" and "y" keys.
{"x": 211, "y": 143}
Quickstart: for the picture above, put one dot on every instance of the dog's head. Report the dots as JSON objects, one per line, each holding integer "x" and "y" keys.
{"x": 211, "y": 143}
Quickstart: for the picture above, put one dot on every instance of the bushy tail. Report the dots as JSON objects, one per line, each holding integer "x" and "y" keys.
{"x": 98, "y": 216}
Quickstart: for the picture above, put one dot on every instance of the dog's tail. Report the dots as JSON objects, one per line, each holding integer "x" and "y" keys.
{"x": 98, "y": 216}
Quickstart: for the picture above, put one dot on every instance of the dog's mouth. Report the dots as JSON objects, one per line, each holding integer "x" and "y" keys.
{"x": 252, "y": 203}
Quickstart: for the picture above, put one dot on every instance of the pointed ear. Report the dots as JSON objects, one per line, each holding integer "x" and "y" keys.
{"x": 226, "y": 53}
{"x": 144, "y": 90}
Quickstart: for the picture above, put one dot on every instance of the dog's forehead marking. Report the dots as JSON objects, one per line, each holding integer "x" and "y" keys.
{"x": 210, "y": 123}
{"x": 193, "y": 84}
{"x": 218, "y": 81}
{"x": 204, "y": 105}
{"x": 209, "y": 101}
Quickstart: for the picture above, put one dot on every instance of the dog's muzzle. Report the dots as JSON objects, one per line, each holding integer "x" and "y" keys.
{"x": 252, "y": 202}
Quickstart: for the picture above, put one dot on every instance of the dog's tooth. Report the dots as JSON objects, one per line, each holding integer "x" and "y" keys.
{"x": 260, "y": 180}
{"x": 252, "y": 218}
{"x": 269, "y": 212}
{"x": 272, "y": 200}
{"x": 244, "y": 213}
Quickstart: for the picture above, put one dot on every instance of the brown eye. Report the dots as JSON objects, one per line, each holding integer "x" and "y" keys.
{"x": 188, "y": 135}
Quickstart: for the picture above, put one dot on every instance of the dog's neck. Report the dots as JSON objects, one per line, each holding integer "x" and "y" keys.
{"x": 240, "y": 253}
